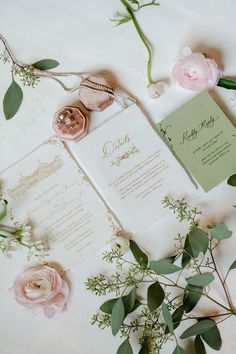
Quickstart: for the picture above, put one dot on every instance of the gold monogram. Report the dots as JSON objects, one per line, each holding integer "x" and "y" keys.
{"x": 111, "y": 146}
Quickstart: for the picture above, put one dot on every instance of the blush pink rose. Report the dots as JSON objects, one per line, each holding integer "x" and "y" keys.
{"x": 196, "y": 72}
{"x": 41, "y": 287}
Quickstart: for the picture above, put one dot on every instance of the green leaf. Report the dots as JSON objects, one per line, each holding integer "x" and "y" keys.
{"x": 198, "y": 328}
{"x": 46, "y": 64}
{"x": 191, "y": 297}
{"x": 199, "y": 346}
{"x": 3, "y": 209}
{"x": 227, "y": 83}
{"x": 198, "y": 240}
{"x": 188, "y": 252}
{"x": 167, "y": 317}
{"x": 220, "y": 231}
{"x": 117, "y": 316}
{"x": 125, "y": 348}
{"x": 138, "y": 254}
{"x": 201, "y": 279}
{"x": 179, "y": 350}
{"x": 212, "y": 337}
{"x": 125, "y": 19}
{"x": 177, "y": 316}
{"x": 233, "y": 265}
{"x": 121, "y": 21}
{"x": 129, "y": 301}
{"x": 232, "y": 180}
{"x": 155, "y": 296}
{"x": 144, "y": 349}
{"x": 108, "y": 306}
{"x": 164, "y": 266}
{"x": 12, "y": 100}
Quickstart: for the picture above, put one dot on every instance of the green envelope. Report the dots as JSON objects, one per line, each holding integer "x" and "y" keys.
{"x": 203, "y": 139}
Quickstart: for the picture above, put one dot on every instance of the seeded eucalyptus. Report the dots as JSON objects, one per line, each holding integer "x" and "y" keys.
{"x": 26, "y": 74}
{"x": 154, "y": 297}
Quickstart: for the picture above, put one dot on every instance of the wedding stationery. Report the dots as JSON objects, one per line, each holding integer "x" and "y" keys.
{"x": 49, "y": 189}
{"x": 203, "y": 138}
{"x": 124, "y": 172}
{"x": 131, "y": 168}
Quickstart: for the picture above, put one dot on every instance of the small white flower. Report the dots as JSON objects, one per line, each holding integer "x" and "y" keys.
{"x": 9, "y": 245}
{"x": 27, "y": 228}
{"x": 38, "y": 249}
{"x": 26, "y": 234}
{"x": 157, "y": 89}
{"x": 119, "y": 244}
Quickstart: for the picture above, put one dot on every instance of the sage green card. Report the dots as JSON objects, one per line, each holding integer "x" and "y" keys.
{"x": 203, "y": 138}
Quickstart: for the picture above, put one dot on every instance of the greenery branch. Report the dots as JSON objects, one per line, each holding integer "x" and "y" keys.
{"x": 173, "y": 287}
{"x": 28, "y": 74}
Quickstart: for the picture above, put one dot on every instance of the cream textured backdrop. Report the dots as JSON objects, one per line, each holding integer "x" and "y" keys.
{"x": 80, "y": 36}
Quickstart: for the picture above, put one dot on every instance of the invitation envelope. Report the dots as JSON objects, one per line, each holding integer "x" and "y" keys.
{"x": 49, "y": 189}
{"x": 203, "y": 139}
{"x": 132, "y": 168}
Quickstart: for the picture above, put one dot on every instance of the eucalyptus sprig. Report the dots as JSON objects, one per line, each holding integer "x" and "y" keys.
{"x": 19, "y": 235}
{"x": 132, "y": 7}
{"x": 28, "y": 75}
{"x": 172, "y": 287}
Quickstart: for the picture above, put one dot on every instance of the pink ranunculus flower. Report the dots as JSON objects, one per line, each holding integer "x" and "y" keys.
{"x": 41, "y": 287}
{"x": 195, "y": 72}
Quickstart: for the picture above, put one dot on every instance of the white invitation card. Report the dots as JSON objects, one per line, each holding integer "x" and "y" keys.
{"x": 132, "y": 168}
{"x": 48, "y": 188}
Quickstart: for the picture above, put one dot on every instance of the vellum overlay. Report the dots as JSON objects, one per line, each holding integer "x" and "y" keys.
{"x": 132, "y": 168}
{"x": 48, "y": 188}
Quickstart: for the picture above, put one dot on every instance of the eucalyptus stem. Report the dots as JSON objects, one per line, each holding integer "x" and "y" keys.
{"x": 207, "y": 296}
{"x": 224, "y": 319}
{"x": 146, "y": 43}
{"x": 9, "y": 52}
{"x": 220, "y": 278}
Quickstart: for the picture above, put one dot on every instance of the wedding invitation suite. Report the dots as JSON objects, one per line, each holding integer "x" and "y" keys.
{"x": 203, "y": 139}
{"x": 124, "y": 171}
{"x": 132, "y": 168}
{"x": 49, "y": 189}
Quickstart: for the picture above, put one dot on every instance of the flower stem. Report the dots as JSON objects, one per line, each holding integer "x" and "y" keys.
{"x": 5, "y": 234}
{"x": 142, "y": 37}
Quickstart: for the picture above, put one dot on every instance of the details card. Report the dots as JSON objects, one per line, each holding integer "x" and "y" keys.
{"x": 203, "y": 139}
{"x": 132, "y": 168}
